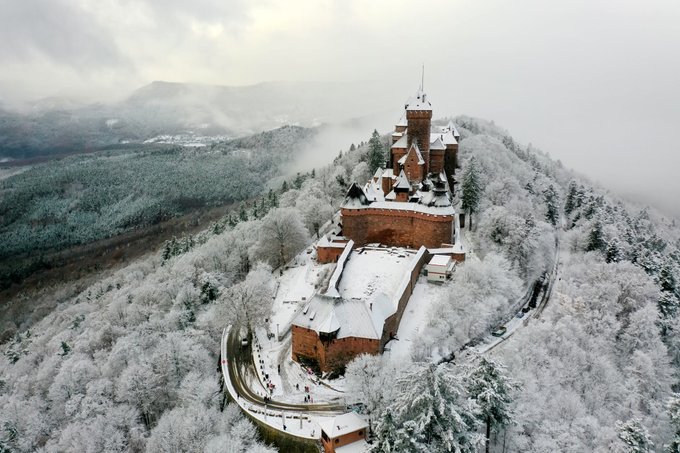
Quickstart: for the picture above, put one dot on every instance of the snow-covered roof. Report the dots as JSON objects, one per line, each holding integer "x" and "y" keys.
{"x": 360, "y": 446}
{"x": 402, "y": 121}
{"x": 453, "y": 129}
{"x": 342, "y": 424}
{"x": 418, "y": 102}
{"x": 402, "y": 182}
{"x": 332, "y": 241}
{"x": 391, "y": 196}
{"x": 445, "y": 135}
{"x": 355, "y": 197}
{"x": 332, "y": 290}
{"x": 378, "y": 173}
{"x": 402, "y": 142}
{"x": 415, "y": 207}
{"x": 388, "y": 173}
{"x": 329, "y": 324}
{"x": 438, "y": 144}
{"x": 365, "y": 293}
{"x": 440, "y": 260}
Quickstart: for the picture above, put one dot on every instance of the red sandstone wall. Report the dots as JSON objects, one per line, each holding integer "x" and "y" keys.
{"x": 330, "y": 354}
{"x": 395, "y": 227}
{"x": 414, "y": 171}
{"x": 419, "y": 129}
{"x": 436, "y": 161}
{"x": 326, "y": 255}
{"x": 330, "y": 445}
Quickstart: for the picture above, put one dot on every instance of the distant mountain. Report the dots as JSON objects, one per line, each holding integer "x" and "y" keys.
{"x": 165, "y": 108}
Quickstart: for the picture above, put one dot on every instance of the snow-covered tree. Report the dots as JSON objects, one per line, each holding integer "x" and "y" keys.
{"x": 634, "y": 437}
{"x": 673, "y": 407}
{"x": 249, "y": 302}
{"x": 434, "y": 414}
{"x": 371, "y": 380}
{"x": 551, "y": 201}
{"x": 488, "y": 384}
{"x": 472, "y": 190}
{"x": 376, "y": 154}
{"x": 282, "y": 235}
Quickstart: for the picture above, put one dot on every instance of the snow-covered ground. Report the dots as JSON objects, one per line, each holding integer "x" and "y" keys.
{"x": 415, "y": 318}
{"x": 295, "y": 287}
{"x": 189, "y": 139}
{"x": 304, "y": 425}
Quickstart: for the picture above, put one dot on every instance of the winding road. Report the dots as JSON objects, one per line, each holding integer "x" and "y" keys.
{"x": 238, "y": 359}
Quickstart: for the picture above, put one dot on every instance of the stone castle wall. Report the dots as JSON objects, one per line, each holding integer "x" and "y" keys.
{"x": 331, "y": 354}
{"x": 395, "y": 227}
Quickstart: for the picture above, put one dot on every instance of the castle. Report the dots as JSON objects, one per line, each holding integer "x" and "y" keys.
{"x": 408, "y": 205}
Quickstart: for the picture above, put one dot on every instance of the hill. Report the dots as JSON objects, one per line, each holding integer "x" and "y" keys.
{"x": 119, "y": 363}
{"x": 181, "y": 109}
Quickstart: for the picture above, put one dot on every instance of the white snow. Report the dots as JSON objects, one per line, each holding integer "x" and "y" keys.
{"x": 415, "y": 318}
{"x": 343, "y": 424}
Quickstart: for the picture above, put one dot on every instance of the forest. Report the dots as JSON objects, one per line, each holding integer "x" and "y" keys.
{"x": 129, "y": 363}
{"x": 85, "y": 198}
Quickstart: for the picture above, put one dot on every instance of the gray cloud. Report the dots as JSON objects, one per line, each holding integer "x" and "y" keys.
{"x": 592, "y": 82}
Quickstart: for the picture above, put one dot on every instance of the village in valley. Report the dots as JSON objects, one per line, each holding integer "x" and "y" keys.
{"x": 364, "y": 287}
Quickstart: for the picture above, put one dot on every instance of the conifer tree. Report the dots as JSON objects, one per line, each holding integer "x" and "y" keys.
{"x": 673, "y": 407}
{"x": 595, "y": 238}
{"x": 242, "y": 214}
{"x": 570, "y": 202}
{"x": 613, "y": 253}
{"x": 550, "y": 196}
{"x": 376, "y": 156}
{"x": 492, "y": 389}
{"x": 433, "y": 414}
{"x": 472, "y": 190}
{"x": 634, "y": 436}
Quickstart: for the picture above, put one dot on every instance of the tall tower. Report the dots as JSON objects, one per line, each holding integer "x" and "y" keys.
{"x": 419, "y": 117}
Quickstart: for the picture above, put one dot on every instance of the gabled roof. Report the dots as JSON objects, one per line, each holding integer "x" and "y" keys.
{"x": 402, "y": 121}
{"x": 378, "y": 173}
{"x": 402, "y": 142}
{"x": 437, "y": 144}
{"x": 342, "y": 424}
{"x": 445, "y": 135}
{"x": 453, "y": 129}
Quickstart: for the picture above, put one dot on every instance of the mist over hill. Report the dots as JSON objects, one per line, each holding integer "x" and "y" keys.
{"x": 55, "y": 126}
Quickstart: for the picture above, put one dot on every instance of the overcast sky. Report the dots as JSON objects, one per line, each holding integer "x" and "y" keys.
{"x": 595, "y": 83}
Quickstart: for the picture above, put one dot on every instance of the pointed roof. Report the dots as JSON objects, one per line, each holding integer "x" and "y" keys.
{"x": 413, "y": 149}
{"x": 378, "y": 173}
{"x": 355, "y": 196}
{"x": 402, "y": 121}
{"x": 418, "y": 102}
{"x": 402, "y": 182}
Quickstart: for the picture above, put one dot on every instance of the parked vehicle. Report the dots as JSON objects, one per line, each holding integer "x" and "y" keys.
{"x": 520, "y": 314}
{"x": 500, "y": 331}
